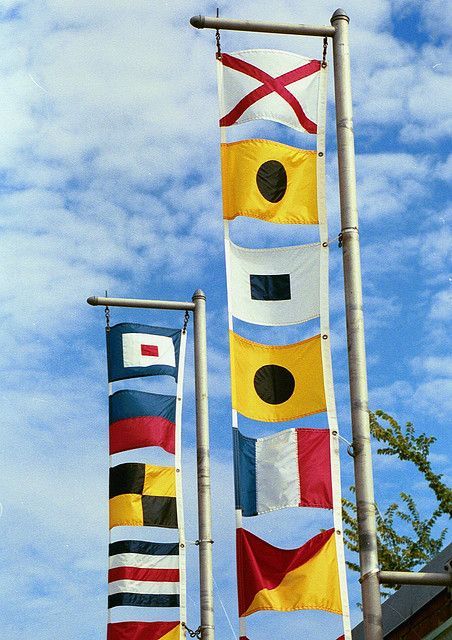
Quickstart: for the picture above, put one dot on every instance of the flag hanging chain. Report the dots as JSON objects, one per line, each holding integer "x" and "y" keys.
{"x": 217, "y": 38}
{"x": 107, "y": 314}
{"x": 191, "y": 633}
{"x": 325, "y": 49}
{"x": 186, "y": 319}
{"x": 340, "y": 237}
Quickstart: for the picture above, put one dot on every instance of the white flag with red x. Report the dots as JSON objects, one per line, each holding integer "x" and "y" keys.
{"x": 270, "y": 85}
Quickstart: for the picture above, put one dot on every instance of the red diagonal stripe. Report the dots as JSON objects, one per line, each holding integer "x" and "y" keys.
{"x": 269, "y": 85}
{"x": 145, "y": 575}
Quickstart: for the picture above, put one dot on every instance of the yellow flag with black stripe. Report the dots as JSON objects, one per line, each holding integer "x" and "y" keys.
{"x": 276, "y": 383}
{"x": 142, "y": 495}
{"x": 270, "y": 181}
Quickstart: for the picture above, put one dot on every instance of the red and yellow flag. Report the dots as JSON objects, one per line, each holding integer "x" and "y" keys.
{"x": 276, "y": 579}
{"x": 143, "y": 631}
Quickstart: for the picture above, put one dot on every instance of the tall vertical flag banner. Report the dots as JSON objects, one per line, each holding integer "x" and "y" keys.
{"x": 145, "y": 574}
{"x": 282, "y": 184}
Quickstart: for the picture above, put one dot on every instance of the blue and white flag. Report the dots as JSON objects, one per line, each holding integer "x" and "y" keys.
{"x": 135, "y": 350}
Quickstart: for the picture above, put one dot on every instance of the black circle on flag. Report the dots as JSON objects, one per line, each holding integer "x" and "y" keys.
{"x": 271, "y": 180}
{"x": 274, "y": 384}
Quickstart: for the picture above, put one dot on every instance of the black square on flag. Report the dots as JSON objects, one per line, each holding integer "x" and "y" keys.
{"x": 272, "y": 287}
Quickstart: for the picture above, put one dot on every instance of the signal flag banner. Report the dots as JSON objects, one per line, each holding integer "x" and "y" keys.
{"x": 270, "y": 85}
{"x": 140, "y": 419}
{"x": 273, "y": 579}
{"x": 142, "y": 495}
{"x": 144, "y": 631}
{"x": 135, "y": 350}
{"x": 277, "y": 286}
{"x": 270, "y": 181}
{"x": 276, "y": 383}
{"x": 289, "y": 469}
{"x": 144, "y": 574}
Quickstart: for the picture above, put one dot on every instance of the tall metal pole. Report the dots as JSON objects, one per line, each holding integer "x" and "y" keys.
{"x": 203, "y": 456}
{"x": 365, "y": 500}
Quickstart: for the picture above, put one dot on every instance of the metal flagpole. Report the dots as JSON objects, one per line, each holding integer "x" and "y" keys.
{"x": 203, "y": 456}
{"x": 198, "y": 306}
{"x": 362, "y": 458}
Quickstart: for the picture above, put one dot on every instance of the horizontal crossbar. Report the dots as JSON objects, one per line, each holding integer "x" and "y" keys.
{"x": 203, "y": 22}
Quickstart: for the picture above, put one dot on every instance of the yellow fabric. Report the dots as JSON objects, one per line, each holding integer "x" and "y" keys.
{"x": 302, "y": 359}
{"x": 314, "y": 585}
{"x": 174, "y": 634}
{"x": 240, "y": 163}
{"x": 126, "y": 510}
{"x": 159, "y": 481}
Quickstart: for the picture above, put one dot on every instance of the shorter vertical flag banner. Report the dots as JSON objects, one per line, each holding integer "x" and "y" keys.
{"x": 143, "y": 574}
{"x": 275, "y": 287}
{"x": 270, "y": 85}
{"x": 144, "y": 631}
{"x": 146, "y": 574}
{"x": 135, "y": 350}
{"x": 273, "y": 579}
{"x": 142, "y": 495}
{"x": 270, "y": 181}
{"x": 276, "y": 383}
{"x": 139, "y": 419}
{"x": 289, "y": 469}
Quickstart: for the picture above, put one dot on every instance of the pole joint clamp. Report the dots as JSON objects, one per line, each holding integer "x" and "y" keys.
{"x": 340, "y": 237}
{"x": 198, "y": 542}
{"x": 370, "y": 573}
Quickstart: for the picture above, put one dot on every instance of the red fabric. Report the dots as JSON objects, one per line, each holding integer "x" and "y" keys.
{"x": 147, "y": 575}
{"x": 139, "y": 630}
{"x": 269, "y": 85}
{"x": 260, "y": 565}
{"x": 149, "y": 350}
{"x": 314, "y": 468}
{"x": 145, "y": 431}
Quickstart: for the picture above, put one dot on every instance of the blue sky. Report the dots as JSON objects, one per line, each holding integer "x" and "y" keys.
{"x": 109, "y": 179}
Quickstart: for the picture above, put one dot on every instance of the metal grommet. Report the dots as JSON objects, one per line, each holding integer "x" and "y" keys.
{"x": 325, "y": 337}
{"x": 320, "y": 154}
{"x": 177, "y": 470}
{"x": 324, "y": 244}
{"x": 334, "y": 433}
{"x": 181, "y": 545}
{"x": 339, "y": 533}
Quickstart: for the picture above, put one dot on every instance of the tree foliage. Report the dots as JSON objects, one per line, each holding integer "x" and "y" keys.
{"x": 405, "y": 538}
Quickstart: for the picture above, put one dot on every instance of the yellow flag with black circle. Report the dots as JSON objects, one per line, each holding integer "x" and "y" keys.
{"x": 276, "y": 383}
{"x": 270, "y": 181}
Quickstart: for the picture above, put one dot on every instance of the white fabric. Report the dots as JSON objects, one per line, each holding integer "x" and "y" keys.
{"x": 143, "y": 561}
{"x": 302, "y": 263}
{"x": 237, "y": 85}
{"x": 131, "y": 350}
{"x": 277, "y": 477}
{"x": 143, "y": 586}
